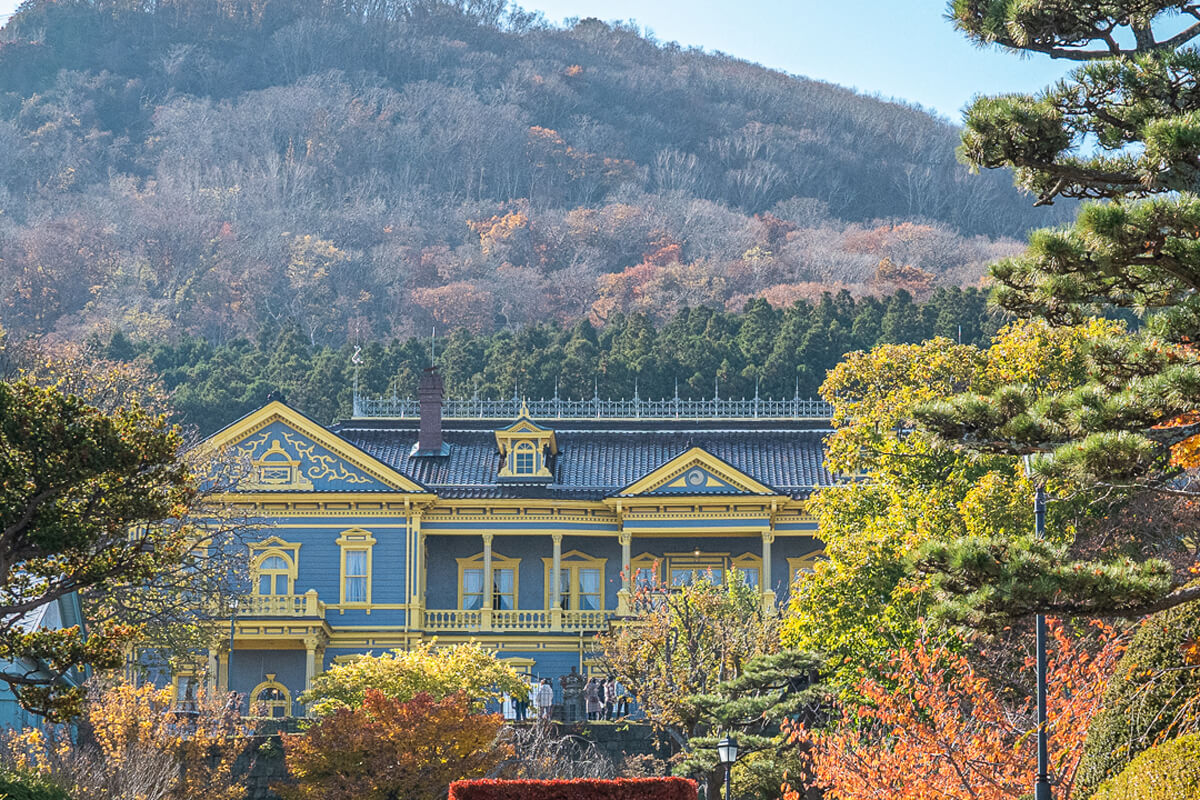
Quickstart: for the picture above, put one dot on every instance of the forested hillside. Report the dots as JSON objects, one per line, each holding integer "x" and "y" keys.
{"x": 698, "y": 352}
{"x": 364, "y": 171}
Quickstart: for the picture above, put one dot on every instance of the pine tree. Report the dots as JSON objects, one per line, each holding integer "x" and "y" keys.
{"x": 1121, "y": 131}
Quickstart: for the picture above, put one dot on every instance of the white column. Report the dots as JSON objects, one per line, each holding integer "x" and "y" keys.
{"x": 312, "y": 649}
{"x": 214, "y": 666}
{"x": 488, "y": 585}
{"x": 555, "y": 581}
{"x": 765, "y": 585}
{"x": 625, "y": 595}
{"x": 556, "y": 612}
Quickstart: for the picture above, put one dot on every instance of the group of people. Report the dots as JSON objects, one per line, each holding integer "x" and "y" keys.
{"x": 595, "y": 699}
{"x": 605, "y": 699}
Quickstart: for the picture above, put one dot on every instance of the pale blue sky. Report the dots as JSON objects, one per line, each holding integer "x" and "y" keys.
{"x": 895, "y": 48}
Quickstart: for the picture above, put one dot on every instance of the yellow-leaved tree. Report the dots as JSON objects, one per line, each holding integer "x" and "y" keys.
{"x": 143, "y": 745}
{"x": 439, "y": 672}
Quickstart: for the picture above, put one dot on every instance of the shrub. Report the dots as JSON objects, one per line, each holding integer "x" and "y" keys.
{"x": 584, "y": 789}
{"x": 1169, "y": 771}
{"x": 18, "y": 786}
{"x": 1152, "y": 695}
{"x": 391, "y": 748}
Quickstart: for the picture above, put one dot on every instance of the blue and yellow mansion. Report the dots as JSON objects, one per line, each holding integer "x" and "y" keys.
{"x": 526, "y": 528}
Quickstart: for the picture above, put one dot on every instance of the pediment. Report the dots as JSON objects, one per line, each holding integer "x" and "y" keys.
{"x": 278, "y": 449}
{"x": 696, "y": 472}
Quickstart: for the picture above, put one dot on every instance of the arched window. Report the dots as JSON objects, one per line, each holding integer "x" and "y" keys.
{"x": 270, "y": 699}
{"x": 524, "y": 459}
{"x": 274, "y": 572}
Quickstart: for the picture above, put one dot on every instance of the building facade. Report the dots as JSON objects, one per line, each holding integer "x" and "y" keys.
{"x": 527, "y": 534}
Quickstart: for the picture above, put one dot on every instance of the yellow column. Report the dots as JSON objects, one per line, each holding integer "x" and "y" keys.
{"x": 556, "y": 584}
{"x": 485, "y": 620}
{"x": 214, "y": 667}
{"x": 765, "y": 585}
{"x": 624, "y": 597}
{"x": 314, "y": 654}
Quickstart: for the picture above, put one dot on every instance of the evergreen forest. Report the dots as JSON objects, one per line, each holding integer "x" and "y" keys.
{"x": 697, "y": 352}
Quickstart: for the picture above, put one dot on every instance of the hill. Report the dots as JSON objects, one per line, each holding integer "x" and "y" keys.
{"x": 371, "y": 170}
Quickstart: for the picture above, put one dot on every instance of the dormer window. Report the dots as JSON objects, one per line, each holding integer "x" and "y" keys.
{"x": 526, "y": 450}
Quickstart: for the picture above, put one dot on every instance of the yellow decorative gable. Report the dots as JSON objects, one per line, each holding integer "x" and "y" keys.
{"x": 526, "y": 449}
{"x": 696, "y": 472}
{"x": 278, "y": 449}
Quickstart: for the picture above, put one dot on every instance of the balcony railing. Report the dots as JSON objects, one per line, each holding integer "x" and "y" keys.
{"x": 595, "y": 408}
{"x": 516, "y": 620}
{"x": 281, "y": 605}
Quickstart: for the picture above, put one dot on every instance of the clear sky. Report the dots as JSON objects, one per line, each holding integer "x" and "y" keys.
{"x": 895, "y": 48}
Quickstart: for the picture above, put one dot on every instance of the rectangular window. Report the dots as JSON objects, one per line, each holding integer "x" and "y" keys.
{"x": 749, "y": 576}
{"x": 472, "y": 589}
{"x": 524, "y": 464}
{"x": 356, "y": 576}
{"x": 503, "y": 589}
{"x": 589, "y": 589}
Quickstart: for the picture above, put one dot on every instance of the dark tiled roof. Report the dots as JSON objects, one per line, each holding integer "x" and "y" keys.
{"x": 599, "y": 458}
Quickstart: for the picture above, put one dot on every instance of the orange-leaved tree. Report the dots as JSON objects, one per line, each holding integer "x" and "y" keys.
{"x": 388, "y": 749}
{"x": 935, "y": 726}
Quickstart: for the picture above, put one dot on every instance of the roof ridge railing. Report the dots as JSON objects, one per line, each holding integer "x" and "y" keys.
{"x": 595, "y": 408}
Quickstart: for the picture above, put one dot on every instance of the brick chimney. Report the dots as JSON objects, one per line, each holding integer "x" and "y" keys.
{"x": 430, "y": 392}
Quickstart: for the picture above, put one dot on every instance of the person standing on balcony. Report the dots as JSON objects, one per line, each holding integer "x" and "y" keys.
{"x": 545, "y": 700}
{"x": 592, "y": 694}
{"x": 610, "y": 697}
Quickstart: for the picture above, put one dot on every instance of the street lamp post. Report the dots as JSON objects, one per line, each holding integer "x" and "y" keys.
{"x": 233, "y": 609}
{"x": 727, "y": 753}
{"x": 1041, "y": 787}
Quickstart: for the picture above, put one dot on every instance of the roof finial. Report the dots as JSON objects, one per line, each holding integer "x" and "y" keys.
{"x": 757, "y": 380}
{"x": 716, "y": 387}
{"x": 596, "y": 389}
{"x": 635, "y": 388}
{"x": 433, "y": 346}
{"x": 556, "y": 388}
{"x": 524, "y": 408}
{"x": 677, "y": 388}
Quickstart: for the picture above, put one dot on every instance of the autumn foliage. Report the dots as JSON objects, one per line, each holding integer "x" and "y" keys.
{"x": 142, "y": 746}
{"x": 935, "y": 726}
{"x": 580, "y": 789}
{"x": 390, "y": 748}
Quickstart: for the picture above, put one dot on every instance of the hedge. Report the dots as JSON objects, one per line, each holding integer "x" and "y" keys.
{"x": 1150, "y": 685}
{"x": 1169, "y": 771}
{"x": 16, "y": 786}
{"x": 580, "y": 789}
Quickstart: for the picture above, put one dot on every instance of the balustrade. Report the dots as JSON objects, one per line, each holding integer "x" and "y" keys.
{"x": 281, "y": 605}
{"x": 595, "y": 408}
{"x": 532, "y": 620}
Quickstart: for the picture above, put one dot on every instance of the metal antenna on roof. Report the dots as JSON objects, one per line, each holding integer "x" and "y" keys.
{"x": 356, "y": 360}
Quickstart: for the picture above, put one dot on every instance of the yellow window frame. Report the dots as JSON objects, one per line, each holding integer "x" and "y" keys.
{"x": 697, "y": 560}
{"x": 804, "y": 563}
{"x": 571, "y": 562}
{"x": 261, "y": 551}
{"x": 498, "y": 562}
{"x": 748, "y": 560}
{"x": 283, "y": 703}
{"x": 356, "y": 540}
{"x": 645, "y": 561}
{"x": 525, "y": 448}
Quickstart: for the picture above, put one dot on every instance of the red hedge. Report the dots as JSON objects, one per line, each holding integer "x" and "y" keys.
{"x": 581, "y": 789}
